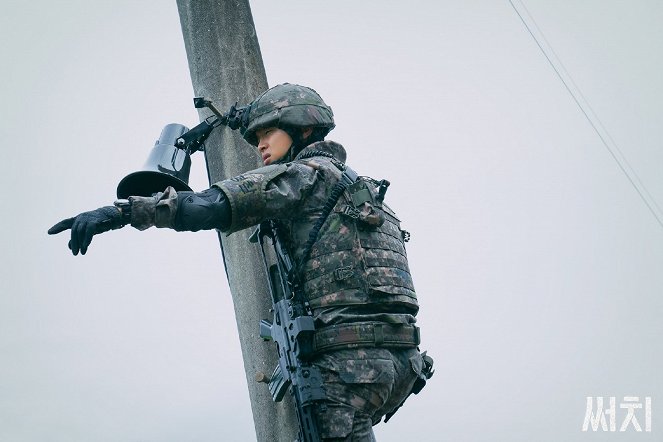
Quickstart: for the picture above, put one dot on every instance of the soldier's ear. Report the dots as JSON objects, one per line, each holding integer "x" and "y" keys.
{"x": 306, "y": 132}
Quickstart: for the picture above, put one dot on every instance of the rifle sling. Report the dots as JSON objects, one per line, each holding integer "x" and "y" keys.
{"x": 348, "y": 176}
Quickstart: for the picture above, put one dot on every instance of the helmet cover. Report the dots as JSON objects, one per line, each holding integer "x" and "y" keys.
{"x": 288, "y": 105}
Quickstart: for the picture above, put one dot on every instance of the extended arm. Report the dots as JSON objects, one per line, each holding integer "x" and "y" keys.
{"x": 182, "y": 211}
{"x": 271, "y": 192}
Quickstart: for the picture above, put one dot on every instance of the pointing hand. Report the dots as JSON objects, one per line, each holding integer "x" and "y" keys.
{"x": 86, "y": 225}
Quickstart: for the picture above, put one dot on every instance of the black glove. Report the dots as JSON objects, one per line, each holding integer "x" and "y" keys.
{"x": 87, "y": 224}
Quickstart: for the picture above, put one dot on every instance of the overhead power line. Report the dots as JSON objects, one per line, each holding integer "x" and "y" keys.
{"x": 587, "y": 110}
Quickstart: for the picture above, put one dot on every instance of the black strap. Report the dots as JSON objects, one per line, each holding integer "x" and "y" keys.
{"x": 348, "y": 177}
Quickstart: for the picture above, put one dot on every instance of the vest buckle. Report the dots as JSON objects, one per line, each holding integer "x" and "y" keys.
{"x": 351, "y": 212}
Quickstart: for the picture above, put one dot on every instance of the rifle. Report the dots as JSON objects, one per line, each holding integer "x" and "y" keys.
{"x": 292, "y": 329}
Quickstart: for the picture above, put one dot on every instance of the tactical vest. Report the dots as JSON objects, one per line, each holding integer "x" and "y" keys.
{"x": 359, "y": 257}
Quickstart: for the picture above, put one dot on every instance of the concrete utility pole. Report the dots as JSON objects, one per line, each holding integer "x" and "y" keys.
{"x": 226, "y": 65}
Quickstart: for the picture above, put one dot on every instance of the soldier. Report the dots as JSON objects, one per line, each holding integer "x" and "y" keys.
{"x": 354, "y": 272}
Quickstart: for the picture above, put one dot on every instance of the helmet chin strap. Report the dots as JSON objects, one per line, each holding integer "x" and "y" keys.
{"x": 288, "y": 157}
{"x": 297, "y": 143}
{"x": 294, "y": 149}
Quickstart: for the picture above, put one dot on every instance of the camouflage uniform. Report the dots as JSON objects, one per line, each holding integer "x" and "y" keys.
{"x": 374, "y": 288}
{"x": 356, "y": 279}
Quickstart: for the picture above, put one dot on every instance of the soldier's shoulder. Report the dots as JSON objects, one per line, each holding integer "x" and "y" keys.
{"x": 324, "y": 149}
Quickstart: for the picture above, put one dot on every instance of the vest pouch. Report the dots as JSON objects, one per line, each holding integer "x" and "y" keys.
{"x": 362, "y": 205}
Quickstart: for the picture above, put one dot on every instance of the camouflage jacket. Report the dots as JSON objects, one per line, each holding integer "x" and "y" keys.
{"x": 356, "y": 272}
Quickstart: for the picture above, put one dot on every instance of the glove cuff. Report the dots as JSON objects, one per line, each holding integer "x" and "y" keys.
{"x": 124, "y": 206}
{"x": 111, "y": 219}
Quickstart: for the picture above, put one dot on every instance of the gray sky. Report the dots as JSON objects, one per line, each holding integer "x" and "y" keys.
{"x": 537, "y": 265}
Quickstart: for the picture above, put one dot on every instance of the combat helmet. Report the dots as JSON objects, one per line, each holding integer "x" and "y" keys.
{"x": 288, "y": 106}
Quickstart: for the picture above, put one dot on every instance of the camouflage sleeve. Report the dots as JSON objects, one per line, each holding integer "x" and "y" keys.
{"x": 158, "y": 210}
{"x": 272, "y": 192}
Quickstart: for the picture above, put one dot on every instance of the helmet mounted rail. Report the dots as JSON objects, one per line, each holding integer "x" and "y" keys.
{"x": 193, "y": 140}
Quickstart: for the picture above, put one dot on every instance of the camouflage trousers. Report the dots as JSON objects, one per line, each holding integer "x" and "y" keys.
{"x": 363, "y": 385}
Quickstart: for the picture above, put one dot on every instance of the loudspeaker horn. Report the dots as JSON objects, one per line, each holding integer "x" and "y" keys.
{"x": 165, "y": 166}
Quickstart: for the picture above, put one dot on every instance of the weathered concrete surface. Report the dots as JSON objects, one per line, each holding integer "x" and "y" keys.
{"x": 226, "y": 65}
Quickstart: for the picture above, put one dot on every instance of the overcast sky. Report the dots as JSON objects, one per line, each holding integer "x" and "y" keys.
{"x": 537, "y": 265}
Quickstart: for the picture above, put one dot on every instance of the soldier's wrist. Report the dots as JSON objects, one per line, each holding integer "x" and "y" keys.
{"x": 142, "y": 212}
{"x": 124, "y": 207}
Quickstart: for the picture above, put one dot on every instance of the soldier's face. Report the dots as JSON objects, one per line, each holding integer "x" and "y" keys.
{"x": 273, "y": 144}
